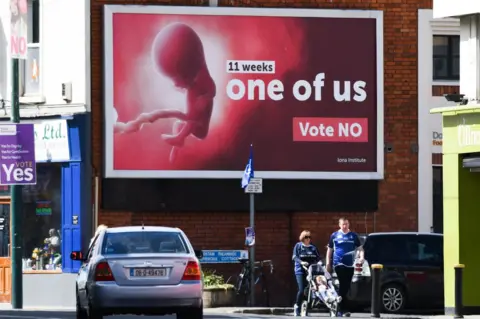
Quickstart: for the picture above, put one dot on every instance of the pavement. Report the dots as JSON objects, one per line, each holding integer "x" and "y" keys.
{"x": 212, "y": 313}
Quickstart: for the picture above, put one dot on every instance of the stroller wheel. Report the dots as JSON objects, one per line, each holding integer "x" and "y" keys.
{"x": 333, "y": 310}
{"x": 304, "y": 309}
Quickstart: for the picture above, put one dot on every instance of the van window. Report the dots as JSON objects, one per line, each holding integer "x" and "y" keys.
{"x": 426, "y": 249}
{"x": 386, "y": 249}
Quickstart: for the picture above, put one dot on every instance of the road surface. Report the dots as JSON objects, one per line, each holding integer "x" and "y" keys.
{"x": 7, "y": 314}
{"x": 25, "y": 314}
{"x": 209, "y": 314}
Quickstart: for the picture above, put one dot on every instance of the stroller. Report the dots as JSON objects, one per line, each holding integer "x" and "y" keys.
{"x": 313, "y": 298}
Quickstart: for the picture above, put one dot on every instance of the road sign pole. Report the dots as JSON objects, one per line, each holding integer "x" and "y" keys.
{"x": 255, "y": 186}
{"x": 252, "y": 252}
{"x": 16, "y": 206}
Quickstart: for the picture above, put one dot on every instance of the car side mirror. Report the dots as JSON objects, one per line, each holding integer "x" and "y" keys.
{"x": 76, "y": 255}
{"x": 199, "y": 253}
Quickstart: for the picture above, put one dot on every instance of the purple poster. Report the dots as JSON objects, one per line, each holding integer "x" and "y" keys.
{"x": 249, "y": 237}
{"x": 17, "y": 154}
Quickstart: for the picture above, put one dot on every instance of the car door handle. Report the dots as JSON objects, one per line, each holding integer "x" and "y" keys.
{"x": 414, "y": 272}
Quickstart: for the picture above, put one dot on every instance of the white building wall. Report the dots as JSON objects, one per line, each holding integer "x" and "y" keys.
{"x": 429, "y": 123}
{"x": 470, "y": 53}
{"x": 64, "y": 57}
{"x": 5, "y": 71}
{"x": 452, "y": 8}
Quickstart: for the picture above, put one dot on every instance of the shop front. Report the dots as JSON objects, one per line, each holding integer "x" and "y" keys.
{"x": 56, "y": 214}
{"x": 461, "y": 189}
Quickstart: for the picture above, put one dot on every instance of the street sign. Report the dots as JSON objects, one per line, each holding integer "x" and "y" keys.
{"x": 223, "y": 256}
{"x": 255, "y": 186}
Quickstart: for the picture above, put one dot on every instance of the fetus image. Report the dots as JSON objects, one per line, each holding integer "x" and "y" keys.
{"x": 178, "y": 54}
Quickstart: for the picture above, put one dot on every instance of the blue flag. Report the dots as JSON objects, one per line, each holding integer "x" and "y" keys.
{"x": 248, "y": 173}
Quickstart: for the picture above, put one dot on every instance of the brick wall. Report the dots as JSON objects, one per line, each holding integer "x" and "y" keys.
{"x": 440, "y": 90}
{"x": 437, "y": 159}
{"x": 277, "y": 232}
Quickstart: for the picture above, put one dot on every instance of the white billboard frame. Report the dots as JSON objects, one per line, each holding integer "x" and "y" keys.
{"x": 110, "y": 10}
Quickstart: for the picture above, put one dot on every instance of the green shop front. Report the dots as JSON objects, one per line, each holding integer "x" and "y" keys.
{"x": 461, "y": 200}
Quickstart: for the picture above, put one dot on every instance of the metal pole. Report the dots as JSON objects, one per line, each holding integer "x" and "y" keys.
{"x": 458, "y": 291}
{"x": 252, "y": 252}
{"x": 16, "y": 204}
{"x": 376, "y": 298}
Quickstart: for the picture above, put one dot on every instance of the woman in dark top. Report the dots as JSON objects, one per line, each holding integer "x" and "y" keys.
{"x": 304, "y": 254}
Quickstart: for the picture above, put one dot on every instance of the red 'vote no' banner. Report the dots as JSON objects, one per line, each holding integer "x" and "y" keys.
{"x": 187, "y": 90}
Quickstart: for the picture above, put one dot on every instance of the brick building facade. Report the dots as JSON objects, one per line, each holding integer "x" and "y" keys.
{"x": 277, "y": 232}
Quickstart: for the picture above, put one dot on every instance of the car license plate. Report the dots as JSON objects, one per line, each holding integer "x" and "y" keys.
{"x": 148, "y": 272}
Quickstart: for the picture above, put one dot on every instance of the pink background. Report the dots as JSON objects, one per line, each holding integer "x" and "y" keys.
{"x": 345, "y": 49}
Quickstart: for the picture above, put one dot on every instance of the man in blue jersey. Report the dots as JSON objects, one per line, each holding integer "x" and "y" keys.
{"x": 342, "y": 245}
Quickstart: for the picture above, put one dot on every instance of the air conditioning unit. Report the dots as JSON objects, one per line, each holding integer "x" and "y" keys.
{"x": 67, "y": 91}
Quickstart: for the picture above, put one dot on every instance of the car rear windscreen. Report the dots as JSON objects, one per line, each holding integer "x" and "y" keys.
{"x": 144, "y": 242}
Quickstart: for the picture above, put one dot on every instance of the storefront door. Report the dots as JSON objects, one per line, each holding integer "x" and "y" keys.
{"x": 5, "y": 253}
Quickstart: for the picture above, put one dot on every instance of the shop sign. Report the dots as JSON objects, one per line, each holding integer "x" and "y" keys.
{"x": 435, "y": 125}
{"x": 43, "y": 208}
{"x": 468, "y": 136}
{"x": 437, "y": 141}
{"x": 311, "y": 110}
{"x": 51, "y": 141}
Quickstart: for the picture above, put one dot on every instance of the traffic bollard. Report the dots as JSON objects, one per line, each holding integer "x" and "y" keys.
{"x": 459, "y": 291}
{"x": 376, "y": 297}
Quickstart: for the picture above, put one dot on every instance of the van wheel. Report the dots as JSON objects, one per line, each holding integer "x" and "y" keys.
{"x": 393, "y": 298}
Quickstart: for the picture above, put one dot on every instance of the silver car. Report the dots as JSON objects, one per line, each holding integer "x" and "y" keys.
{"x": 140, "y": 270}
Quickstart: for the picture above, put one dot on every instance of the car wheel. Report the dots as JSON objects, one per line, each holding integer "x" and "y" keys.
{"x": 194, "y": 313}
{"x": 94, "y": 313}
{"x": 81, "y": 313}
{"x": 393, "y": 298}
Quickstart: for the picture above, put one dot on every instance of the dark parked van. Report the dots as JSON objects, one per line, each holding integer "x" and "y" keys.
{"x": 412, "y": 273}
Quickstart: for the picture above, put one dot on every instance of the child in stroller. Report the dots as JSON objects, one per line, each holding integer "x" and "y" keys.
{"x": 321, "y": 290}
{"x": 324, "y": 288}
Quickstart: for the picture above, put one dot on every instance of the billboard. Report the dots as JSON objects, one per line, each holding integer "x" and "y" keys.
{"x": 188, "y": 89}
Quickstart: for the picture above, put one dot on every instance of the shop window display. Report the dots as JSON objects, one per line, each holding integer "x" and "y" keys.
{"x": 42, "y": 220}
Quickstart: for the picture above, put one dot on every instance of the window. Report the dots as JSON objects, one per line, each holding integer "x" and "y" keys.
{"x": 30, "y": 68}
{"x": 426, "y": 249}
{"x": 446, "y": 57}
{"x": 154, "y": 195}
{"x": 4, "y": 190}
{"x": 90, "y": 250}
{"x": 386, "y": 249}
{"x": 144, "y": 242}
{"x": 4, "y": 230}
{"x": 42, "y": 220}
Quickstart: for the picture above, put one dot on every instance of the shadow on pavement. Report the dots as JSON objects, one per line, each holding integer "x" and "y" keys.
{"x": 36, "y": 314}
